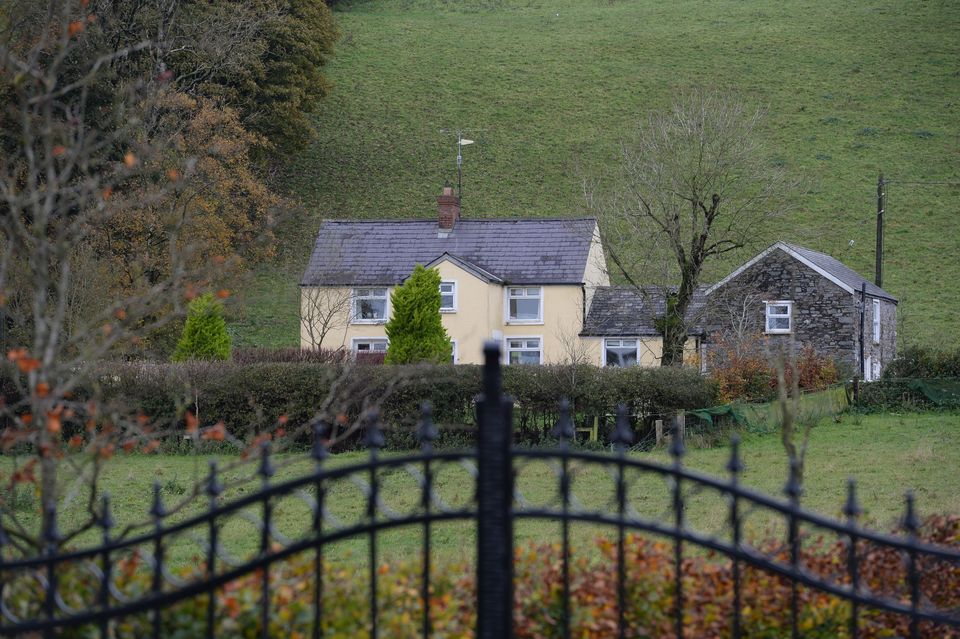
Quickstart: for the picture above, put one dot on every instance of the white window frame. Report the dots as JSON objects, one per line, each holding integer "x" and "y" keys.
{"x": 506, "y": 305}
{"x": 603, "y": 346}
{"x": 451, "y": 309}
{"x": 767, "y": 316}
{"x": 354, "y": 297}
{"x": 359, "y": 340}
{"x": 876, "y": 321}
{"x": 507, "y": 350}
{"x": 456, "y": 356}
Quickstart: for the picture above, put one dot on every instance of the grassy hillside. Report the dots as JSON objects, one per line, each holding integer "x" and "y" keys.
{"x": 851, "y": 89}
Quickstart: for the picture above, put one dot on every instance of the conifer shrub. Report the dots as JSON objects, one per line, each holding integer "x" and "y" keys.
{"x": 204, "y": 333}
{"x": 415, "y": 331}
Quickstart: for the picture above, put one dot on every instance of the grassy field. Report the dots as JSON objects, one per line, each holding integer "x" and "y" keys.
{"x": 850, "y": 88}
{"x": 888, "y": 454}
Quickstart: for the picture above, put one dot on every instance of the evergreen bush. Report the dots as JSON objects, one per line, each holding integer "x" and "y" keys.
{"x": 415, "y": 331}
{"x": 204, "y": 333}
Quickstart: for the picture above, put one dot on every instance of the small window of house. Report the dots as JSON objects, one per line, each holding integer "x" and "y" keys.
{"x": 453, "y": 351}
{"x": 876, "y": 321}
{"x": 369, "y": 345}
{"x": 621, "y": 352}
{"x": 448, "y": 297}
{"x": 369, "y": 305}
{"x": 524, "y": 304}
{"x": 524, "y": 350}
{"x": 779, "y": 317}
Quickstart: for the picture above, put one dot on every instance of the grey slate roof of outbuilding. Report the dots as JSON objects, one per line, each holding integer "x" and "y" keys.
{"x": 841, "y": 271}
{"x": 384, "y": 252}
{"x": 627, "y": 312}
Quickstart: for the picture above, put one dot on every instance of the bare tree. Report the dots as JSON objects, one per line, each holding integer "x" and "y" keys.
{"x": 323, "y": 310}
{"x": 693, "y": 186}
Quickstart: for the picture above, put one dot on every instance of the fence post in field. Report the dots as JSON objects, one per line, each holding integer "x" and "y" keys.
{"x": 494, "y": 500}
{"x": 658, "y": 430}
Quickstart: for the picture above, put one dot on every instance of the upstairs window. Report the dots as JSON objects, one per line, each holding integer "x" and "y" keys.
{"x": 621, "y": 352}
{"x": 779, "y": 317}
{"x": 369, "y": 305}
{"x": 524, "y": 305}
{"x": 448, "y": 297}
{"x": 524, "y": 350}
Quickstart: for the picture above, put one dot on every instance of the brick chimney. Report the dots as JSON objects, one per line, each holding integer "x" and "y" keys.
{"x": 448, "y": 209}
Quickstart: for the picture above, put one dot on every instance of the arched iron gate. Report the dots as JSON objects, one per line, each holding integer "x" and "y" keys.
{"x": 496, "y": 508}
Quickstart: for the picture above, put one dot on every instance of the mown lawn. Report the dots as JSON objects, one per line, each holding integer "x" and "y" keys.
{"x": 887, "y": 454}
{"x": 850, "y": 88}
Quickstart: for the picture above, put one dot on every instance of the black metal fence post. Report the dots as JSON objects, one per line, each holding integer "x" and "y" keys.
{"x": 494, "y": 500}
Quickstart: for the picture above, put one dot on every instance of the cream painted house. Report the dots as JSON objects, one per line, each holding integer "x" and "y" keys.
{"x": 526, "y": 283}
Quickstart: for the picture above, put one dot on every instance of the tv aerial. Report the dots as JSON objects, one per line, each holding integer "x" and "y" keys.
{"x": 461, "y": 142}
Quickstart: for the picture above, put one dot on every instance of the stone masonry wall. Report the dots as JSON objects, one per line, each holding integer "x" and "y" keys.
{"x": 824, "y": 315}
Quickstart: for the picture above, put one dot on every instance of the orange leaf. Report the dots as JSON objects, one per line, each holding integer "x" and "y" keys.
{"x": 28, "y": 364}
{"x": 282, "y": 420}
{"x": 120, "y": 314}
{"x": 192, "y": 422}
{"x": 129, "y": 159}
{"x": 74, "y": 28}
{"x": 173, "y": 175}
{"x": 53, "y": 422}
{"x": 223, "y": 293}
{"x": 107, "y": 192}
{"x": 129, "y": 445}
{"x": 58, "y": 150}
{"x": 75, "y": 441}
{"x": 107, "y": 451}
{"x": 151, "y": 446}
{"x": 43, "y": 389}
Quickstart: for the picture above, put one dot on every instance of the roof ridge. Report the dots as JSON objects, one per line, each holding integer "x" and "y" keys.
{"x": 433, "y": 220}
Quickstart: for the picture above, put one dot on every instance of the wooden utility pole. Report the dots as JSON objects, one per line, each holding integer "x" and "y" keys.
{"x": 881, "y": 203}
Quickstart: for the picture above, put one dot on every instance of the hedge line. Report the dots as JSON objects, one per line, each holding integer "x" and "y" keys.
{"x": 249, "y": 398}
{"x": 924, "y": 362}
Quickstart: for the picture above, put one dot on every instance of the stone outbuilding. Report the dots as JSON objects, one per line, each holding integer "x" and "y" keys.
{"x": 789, "y": 292}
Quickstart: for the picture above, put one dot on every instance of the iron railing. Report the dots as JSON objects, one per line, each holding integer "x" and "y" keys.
{"x": 498, "y": 505}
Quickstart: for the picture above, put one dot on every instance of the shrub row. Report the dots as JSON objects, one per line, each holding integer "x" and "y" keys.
{"x": 909, "y": 394}
{"x": 650, "y": 595}
{"x": 249, "y": 398}
{"x": 924, "y": 362}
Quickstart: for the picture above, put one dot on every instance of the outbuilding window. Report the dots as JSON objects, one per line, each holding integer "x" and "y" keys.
{"x": 876, "y": 321}
{"x": 619, "y": 351}
{"x": 779, "y": 316}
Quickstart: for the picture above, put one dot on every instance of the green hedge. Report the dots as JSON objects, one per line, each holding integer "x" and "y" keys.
{"x": 924, "y": 362}
{"x": 249, "y": 398}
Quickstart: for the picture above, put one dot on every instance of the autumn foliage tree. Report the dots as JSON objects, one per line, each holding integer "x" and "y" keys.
{"x": 128, "y": 188}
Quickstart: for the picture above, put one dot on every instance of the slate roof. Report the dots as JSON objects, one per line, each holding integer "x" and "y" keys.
{"x": 828, "y": 266}
{"x": 625, "y": 311}
{"x": 840, "y": 271}
{"x": 384, "y": 252}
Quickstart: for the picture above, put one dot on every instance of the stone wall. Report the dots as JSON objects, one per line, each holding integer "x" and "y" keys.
{"x": 824, "y": 315}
